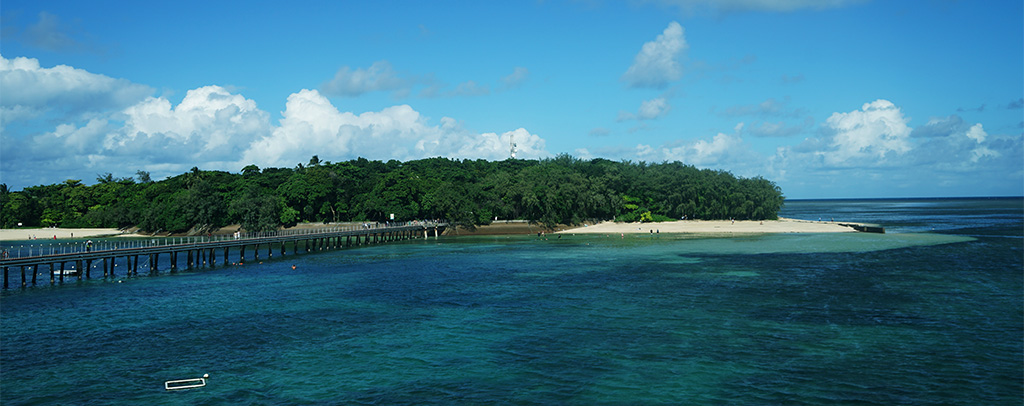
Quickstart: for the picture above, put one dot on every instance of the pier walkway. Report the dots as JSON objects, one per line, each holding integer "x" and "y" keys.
{"x": 199, "y": 251}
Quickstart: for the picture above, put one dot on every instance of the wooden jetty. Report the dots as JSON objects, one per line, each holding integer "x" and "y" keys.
{"x": 203, "y": 252}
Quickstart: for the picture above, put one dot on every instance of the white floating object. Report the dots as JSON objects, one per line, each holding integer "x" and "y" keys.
{"x": 187, "y": 383}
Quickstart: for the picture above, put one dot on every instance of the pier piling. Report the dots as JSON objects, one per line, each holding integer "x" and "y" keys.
{"x": 202, "y": 252}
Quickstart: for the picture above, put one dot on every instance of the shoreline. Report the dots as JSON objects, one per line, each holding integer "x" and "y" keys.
{"x": 713, "y": 227}
{"x": 27, "y": 234}
{"x": 709, "y": 227}
{"x": 702, "y": 227}
{"x": 33, "y": 234}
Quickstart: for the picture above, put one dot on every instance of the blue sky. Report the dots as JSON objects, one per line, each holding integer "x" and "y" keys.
{"x": 829, "y": 99}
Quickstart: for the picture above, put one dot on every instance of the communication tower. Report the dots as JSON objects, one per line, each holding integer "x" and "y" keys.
{"x": 511, "y": 145}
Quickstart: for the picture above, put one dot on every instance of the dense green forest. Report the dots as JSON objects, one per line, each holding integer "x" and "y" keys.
{"x": 562, "y": 190}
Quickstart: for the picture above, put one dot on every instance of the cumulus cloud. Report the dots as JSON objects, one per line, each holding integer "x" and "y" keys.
{"x": 649, "y": 110}
{"x": 583, "y": 153}
{"x": 950, "y": 142}
{"x": 312, "y": 125}
{"x": 657, "y": 64}
{"x": 210, "y": 127}
{"x": 720, "y": 151}
{"x": 210, "y": 123}
{"x": 872, "y": 149}
{"x": 214, "y": 128}
{"x": 867, "y": 136}
{"x": 67, "y": 141}
{"x": 378, "y": 77}
{"x": 875, "y": 146}
{"x": 705, "y": 152}
{"x": 30, "y": 90}
{"x": 978, "y": 134}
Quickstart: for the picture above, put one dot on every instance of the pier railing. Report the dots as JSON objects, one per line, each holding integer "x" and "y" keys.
{"x": 199, "y": 251}
{"x": 44, "y": 248}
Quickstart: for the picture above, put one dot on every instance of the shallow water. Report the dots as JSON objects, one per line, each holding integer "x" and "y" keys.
{"x": 909, "y": 318}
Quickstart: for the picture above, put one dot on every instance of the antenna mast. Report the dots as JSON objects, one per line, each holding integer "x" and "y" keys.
{"x": 511, "y": 145}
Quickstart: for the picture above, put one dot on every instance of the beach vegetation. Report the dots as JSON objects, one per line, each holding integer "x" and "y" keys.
{"x": 559, "y": 190}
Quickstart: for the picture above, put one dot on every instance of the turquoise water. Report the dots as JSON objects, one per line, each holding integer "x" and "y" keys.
{"x": 915, "y": 317}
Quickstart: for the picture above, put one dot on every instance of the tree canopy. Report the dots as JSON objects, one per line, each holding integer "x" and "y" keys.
{"x": 560, "y": 190}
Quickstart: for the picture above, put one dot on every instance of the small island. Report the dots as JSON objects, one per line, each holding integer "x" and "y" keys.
{"x": 549, "y": 193}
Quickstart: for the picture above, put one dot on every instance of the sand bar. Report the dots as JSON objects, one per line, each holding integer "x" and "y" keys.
{"x": 26, "y": 234}
{"x": 782, "y": 225}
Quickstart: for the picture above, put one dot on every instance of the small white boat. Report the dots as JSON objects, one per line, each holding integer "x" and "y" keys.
{"x": 186, "y": 383}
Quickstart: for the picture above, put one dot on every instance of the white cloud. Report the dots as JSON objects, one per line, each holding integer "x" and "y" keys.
{"x": 950, "y": 143}
{"x": 210, "y": 123}
{"x": 9, "y": 114}
{"x": 876, "y": 152}
{"x": 645, "y": 151}
{"x": 703, "y": 152}
{"x": 209, "y": 128}
{"x": 313, "y": 126}
{"x": 516, "y": 78}
{"x": 353, "y": 82}
{"x": 493, "y": 146}
{"x": 30, "y": 90}
{"x": 721, "y": 151}
{"x": 977, "y": 133}
{"x": 649, "y": 110}
{"x": 867, "y": 136}
{"x": 652, "y": 109}
{"x": 215, "y": 129}
{"x": 657, "y": 62}
{"x": 67, "y": 140}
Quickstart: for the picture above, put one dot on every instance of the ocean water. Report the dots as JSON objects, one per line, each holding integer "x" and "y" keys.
{"x": 930, "y": 313}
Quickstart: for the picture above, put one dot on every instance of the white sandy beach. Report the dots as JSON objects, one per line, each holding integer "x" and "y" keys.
{"x": 783, "y": 225}
{"x": 25, "y": 234}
